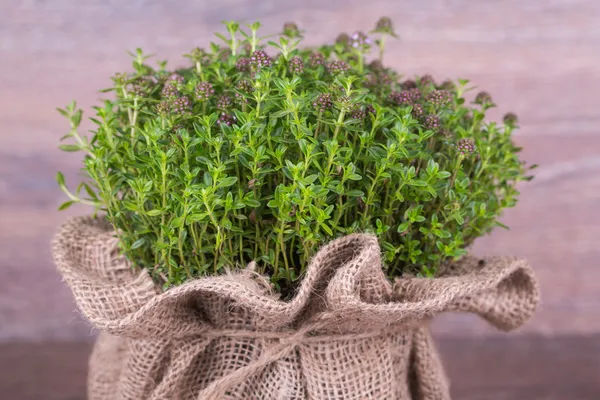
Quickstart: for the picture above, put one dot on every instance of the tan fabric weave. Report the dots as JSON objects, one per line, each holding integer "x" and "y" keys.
{"x": 348, "y": 334}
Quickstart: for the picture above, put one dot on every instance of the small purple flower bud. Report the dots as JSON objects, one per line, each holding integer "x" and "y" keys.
{"x": 402, "y": 98}
{"x": 358, "y": 113}
{"x": 446, "y": 133}
{"x": 163, "y": 108}
{"x": 384, "y": 25}
{"x": 204, "y": 91}
{"x": 323, "y": 102}
{"x": 198, "y": 54}
{"x": 244, "y": 88}
{"x": 140, "y": 87}
{"x": 170, "y": 90}
{"x": 369, "y": 109}
{"x": 511, "y": 119}
{"x": 343, "y": 39}
{"x": 359, "y": 39}
{"x": 136, "y": 90}
{"x": 408, "y": 84}
{"x": 484, "y": 99}
{"x": 338, "y": 67}
{"x": 176, "y": 78}
{"x": 439, "y": 98}
{"x": 317, "y": 58}
{"x": 466, "y": 146}
{"x": 417, "y": 110}
{"x": 260, "y": 59}
{"x": 291, "y": 30}
{"x": 224, "y": 102}
{"x": 447, "y": 85}
{"x": 181, "y": 105}
{"x": 361, "y": 112}
{"x": 426, "y": 81}
{"x": 226, "y": 119}
{"x": 296, "y": 65}
{"x": 345, "y": 103}
{"x": 415, "y": 94}
{"x": 243, "y": 64}
{"x": 432, "y": 122}
{"x": 376, "y": 66}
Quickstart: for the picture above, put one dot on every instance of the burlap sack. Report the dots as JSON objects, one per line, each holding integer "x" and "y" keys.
{"x": 347, "y": 334}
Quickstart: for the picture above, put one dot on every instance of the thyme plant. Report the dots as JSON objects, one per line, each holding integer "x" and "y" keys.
{"x": 262, "y": 150}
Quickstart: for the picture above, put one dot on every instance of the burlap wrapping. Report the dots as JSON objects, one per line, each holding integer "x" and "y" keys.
{"x": 347, "y": 334}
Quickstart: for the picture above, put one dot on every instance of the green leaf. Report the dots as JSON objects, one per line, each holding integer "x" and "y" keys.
{"x": 431, "y": 191}
{"x": 138, "y": 243}
{"x": 77, "y": 118}
{"x": 226, "y": 223}
{"x": 326, "y": 229}
{"x": 227, "y": 182}
{"x": 197, "y": 217}
{"x": 60, "y": 178}
{"x": 252, "y": 203}
{"x": 130, "y": 205}
{"x": 222, "y": 37}
{"x": 417, "y": 182}
{"x": 354, "y": 193}
{"x": 66, "y": 205}
{"x": 432, "y": 167}
{"x": 280, "y": 114}
{"x": 170, "y": 152}
{"x": 403, "y": 227}
{"x": 442, "y": 234}
{"x": 89, "y": 191}
{"x": 177, "y": 222}
{"x": 154, "y": 213}
{"x": 63, "y": 112}
{"x": 69, "y": 147}
{"x": 272, "y": 43}
{"x": 207, "y": 179}
{"x": 500, "y": 224}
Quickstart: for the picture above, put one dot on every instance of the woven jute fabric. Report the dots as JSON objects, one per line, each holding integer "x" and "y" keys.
{"x": 348, "y": 333}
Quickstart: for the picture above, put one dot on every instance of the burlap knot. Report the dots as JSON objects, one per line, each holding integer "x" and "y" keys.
{"x": 348, "y": 333}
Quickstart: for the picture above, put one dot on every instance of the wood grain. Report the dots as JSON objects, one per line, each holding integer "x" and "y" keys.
{"x": 524, "y": 367}
{"x": 538, "y": 59}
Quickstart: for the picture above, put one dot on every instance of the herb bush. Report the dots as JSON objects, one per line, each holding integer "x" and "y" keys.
{"x": 266, "y": 151}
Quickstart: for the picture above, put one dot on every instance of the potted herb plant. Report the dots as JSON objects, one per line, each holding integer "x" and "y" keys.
{"x": 275, "y": 222}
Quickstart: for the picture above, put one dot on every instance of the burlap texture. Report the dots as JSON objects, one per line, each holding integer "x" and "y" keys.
{"x": 347, "y": 334}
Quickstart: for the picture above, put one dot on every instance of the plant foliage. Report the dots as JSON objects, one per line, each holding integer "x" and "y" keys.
{"x": 265, "y": 151}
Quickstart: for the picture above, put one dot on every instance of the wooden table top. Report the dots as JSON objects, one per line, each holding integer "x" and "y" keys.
{"x": 504, "y": 368}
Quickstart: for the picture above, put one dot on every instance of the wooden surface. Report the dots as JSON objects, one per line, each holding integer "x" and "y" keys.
{"x": 522, "y": 368}
{"x": 540, "y": 59}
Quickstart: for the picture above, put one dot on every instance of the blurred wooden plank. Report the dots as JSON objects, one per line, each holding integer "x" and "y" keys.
{"x": 532, "y": 368}
{"x": 537, "y": 59}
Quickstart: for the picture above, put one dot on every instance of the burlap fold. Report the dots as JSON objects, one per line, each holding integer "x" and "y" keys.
{"x": 347, "y": 334}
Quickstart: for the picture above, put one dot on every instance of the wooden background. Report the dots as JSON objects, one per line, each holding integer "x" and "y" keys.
{"x": 540, "y": 59}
